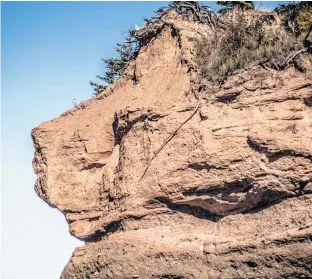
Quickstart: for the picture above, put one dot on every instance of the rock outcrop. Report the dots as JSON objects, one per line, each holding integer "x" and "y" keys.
{"x": 228, "y": 196}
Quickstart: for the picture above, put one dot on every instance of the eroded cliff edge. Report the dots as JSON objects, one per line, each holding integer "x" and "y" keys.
{"x": 229, "y": 196}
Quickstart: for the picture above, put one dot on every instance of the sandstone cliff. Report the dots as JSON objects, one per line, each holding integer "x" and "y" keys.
{"x": 229, "y": 196}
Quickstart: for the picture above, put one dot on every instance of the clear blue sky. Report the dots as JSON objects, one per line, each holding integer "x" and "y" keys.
{"x": 50, "y": 52}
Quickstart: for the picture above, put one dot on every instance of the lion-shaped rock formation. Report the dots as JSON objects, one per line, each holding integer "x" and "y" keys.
{"x": 163, "y": 178}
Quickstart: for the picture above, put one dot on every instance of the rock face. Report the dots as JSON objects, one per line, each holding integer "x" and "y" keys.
{"x": 225, "y": 195}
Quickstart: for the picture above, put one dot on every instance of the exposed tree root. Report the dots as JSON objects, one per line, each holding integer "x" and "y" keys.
{"x": 169, "y": 139}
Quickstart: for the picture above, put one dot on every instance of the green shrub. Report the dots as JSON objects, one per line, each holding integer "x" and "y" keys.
{"x": 305, "y": 19}
{"x": 296, "y": 16}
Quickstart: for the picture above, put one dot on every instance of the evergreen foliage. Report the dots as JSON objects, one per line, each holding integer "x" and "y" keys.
{"x": 126, "y": 52}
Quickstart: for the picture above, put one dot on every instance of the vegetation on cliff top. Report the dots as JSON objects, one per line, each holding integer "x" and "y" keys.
{"x": 242, "y": 36}
{"x": 272, "y": 39}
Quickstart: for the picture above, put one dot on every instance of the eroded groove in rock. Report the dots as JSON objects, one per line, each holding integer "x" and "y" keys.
{"x": 195, "y": 211}
{"x": 124, "y": 120}
{"x": 272, "y": 153}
